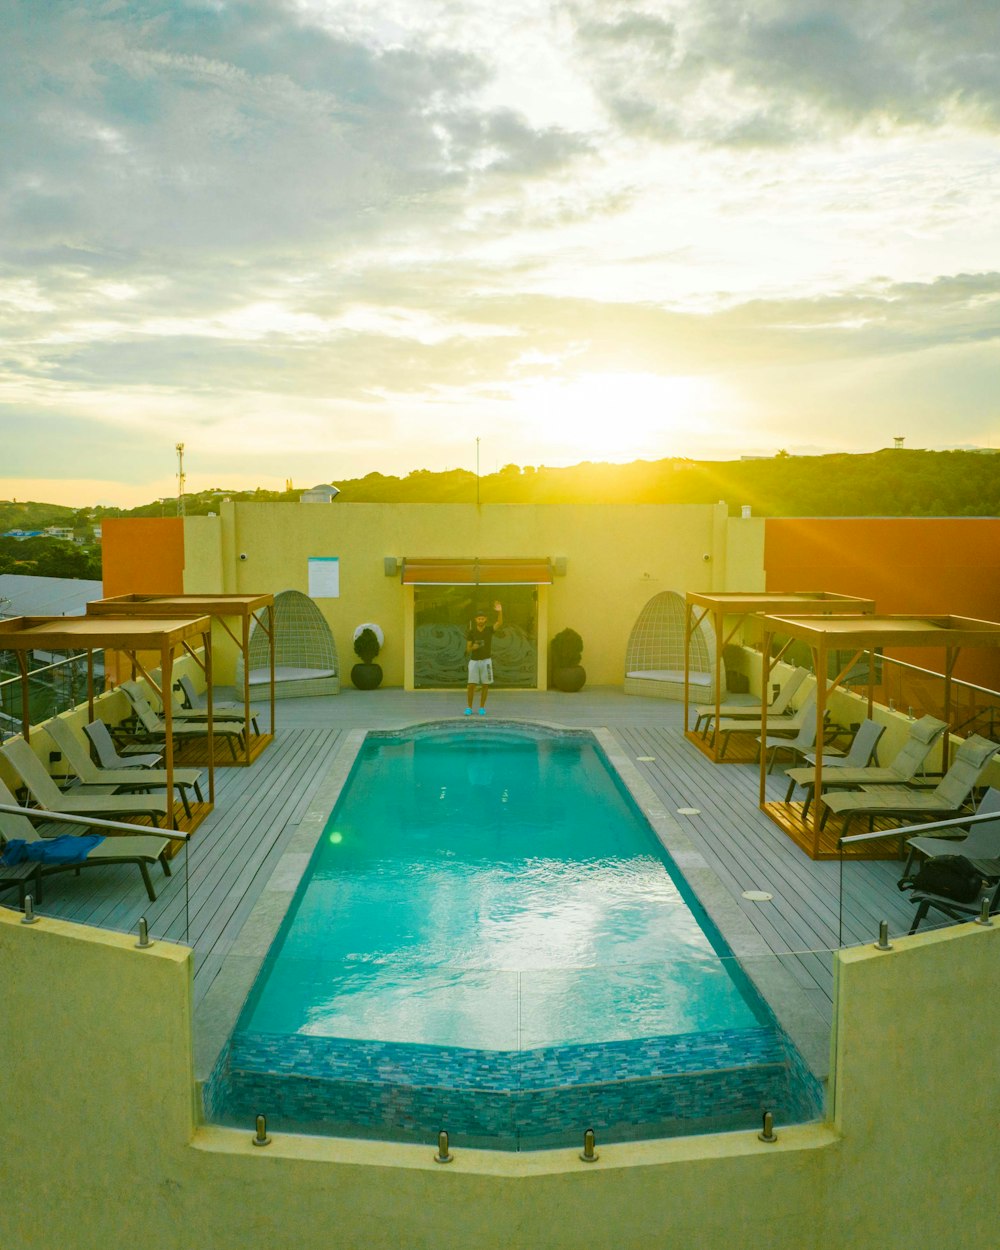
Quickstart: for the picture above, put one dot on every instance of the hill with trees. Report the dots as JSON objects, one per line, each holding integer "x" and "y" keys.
{"x": 892, "y": 482}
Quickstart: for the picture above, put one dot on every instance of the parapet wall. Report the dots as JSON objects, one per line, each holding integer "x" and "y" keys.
{"x": 103, "y": 1147}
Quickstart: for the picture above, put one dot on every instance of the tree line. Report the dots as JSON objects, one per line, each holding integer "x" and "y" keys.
{"x": 893, "y": 482}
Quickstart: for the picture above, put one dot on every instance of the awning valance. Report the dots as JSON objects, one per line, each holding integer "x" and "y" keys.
{"x": 474, "y": 572}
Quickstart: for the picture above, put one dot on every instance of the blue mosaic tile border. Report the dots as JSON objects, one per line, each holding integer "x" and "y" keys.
{"x": 507, "y": 1099}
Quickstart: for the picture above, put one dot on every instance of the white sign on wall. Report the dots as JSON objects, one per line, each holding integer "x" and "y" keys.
{"x": 324, "y": 577}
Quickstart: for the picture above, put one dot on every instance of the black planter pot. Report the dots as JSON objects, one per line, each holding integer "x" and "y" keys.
{"x": 367, "y": 676}
{"x": 569, "y": 679}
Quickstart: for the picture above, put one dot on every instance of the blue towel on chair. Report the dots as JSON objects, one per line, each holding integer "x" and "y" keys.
{"x": 68, "y": 848}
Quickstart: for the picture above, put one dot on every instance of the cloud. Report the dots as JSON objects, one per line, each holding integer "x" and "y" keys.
{"x": 235, "y": 129}
{"x": 724, "y": 72}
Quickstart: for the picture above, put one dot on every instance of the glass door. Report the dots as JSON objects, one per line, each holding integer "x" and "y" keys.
{"x": 443, "y": 614}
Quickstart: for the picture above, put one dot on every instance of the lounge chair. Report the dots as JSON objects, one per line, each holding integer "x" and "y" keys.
{"x": 903, "y": 769}
{"x": 195, "y": 703}
{"x": 151, "y": 727}
{"x": 139, "y": 849}
{"x": 46, "y": 794}
{"x": 787, "y": 725}
{"x": 108, "y": 755}
{"x": 25, "y": 877}
{"x": 125, "y": 780}
{"x": 803, "y": 741}
{"x": 952, "y": 907}
{"x": 193, "y": 715}
{"x": 980, "y": 845}
{"x": 751, "y": 710}
{"x": 860, "y": 755}
{"x": 947, "y": 798}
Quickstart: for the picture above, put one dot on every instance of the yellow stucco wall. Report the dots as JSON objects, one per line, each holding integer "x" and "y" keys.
{"x": 102, "y": 1147}
{"x": 618, "y": 556}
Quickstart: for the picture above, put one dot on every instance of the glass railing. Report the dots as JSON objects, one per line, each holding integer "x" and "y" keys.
{"x": 528, "y": 1059}
{"x": 54, "y": 687}
{"x": 385, "y": 1047}
{"x": 913, "y": 692}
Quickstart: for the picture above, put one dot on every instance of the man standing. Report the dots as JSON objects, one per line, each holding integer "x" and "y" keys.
{"x": 479, "y": 649}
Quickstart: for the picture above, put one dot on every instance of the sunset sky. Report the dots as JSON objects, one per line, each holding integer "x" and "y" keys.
{"x": 318, "y": 238}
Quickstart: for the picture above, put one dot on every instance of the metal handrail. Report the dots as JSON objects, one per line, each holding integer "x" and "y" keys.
{"x": 94, "y": 822}
{"x": 904, "y": 830}
{"x": 929, "y": 672}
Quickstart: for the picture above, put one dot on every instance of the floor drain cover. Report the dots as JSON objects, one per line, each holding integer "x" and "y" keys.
{"x": 689, "y": 811}
{"x": 758, "y": 896}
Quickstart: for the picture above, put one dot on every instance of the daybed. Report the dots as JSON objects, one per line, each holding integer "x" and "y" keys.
{"x": 654, "y": 657}
{"x": 305, "y": 654}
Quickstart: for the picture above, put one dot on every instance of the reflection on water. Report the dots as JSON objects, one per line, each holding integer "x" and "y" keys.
{"x": 480, "y": 891}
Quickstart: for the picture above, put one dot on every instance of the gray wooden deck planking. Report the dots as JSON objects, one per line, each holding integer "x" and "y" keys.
{"x": 258, "y": 808}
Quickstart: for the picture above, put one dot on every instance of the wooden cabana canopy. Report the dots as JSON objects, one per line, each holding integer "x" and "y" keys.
{"x": 856, "y": 635}
{"x": 737, "y": 606}
{"x": 244, "y": 609}
{"x": 131, "y": 635}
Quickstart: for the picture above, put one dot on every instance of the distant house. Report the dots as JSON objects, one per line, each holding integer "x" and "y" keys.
{"x": 319, "y": 494}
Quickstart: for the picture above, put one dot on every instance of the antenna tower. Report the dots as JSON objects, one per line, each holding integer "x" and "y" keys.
{"x": 180, "y": 479}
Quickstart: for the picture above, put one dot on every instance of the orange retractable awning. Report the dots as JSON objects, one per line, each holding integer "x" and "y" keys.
{"x": 473, "y": 572}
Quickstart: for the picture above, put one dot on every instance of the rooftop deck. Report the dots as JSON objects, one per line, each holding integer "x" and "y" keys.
{"x": 231, "y": 857}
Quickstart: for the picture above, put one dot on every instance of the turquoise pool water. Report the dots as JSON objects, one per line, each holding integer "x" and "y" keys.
{"x": 482, "y": 890}
{"x": 490, "y": 938}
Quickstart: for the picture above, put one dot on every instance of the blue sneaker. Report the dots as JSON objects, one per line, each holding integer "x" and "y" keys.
{"x": 482, "y": 711}
{"x": 468, "y": 711}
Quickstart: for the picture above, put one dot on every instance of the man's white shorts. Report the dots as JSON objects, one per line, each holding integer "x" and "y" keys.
{"x": 480, "y": 672}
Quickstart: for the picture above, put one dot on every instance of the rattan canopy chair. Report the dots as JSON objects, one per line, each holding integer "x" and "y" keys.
{"x": 305, "y": 654}
{"x": 654, "y": 657}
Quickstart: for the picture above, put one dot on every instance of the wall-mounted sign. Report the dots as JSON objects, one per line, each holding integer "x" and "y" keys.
{"x": 324, "y": 577}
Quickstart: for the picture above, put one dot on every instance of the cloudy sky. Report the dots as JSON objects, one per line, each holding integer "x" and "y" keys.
{"x": 314, "y": 238}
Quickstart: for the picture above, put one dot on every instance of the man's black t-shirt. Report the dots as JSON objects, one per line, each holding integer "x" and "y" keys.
{"x": 485, "y": 638}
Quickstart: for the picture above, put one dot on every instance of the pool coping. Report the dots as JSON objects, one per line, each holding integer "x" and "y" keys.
{"x": 216, "y": 1015}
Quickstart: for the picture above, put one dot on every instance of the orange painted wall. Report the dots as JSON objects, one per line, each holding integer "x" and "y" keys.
{"x": 142, "y": 555}
{"x": 936, "y": 564}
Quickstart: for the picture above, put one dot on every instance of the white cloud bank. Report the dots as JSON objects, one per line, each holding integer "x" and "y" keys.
{"x": 314, "y": 239}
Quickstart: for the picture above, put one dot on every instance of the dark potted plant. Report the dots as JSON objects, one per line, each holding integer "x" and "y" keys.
{"x": 565, "y": 650}
{"x": 368, "y": 641}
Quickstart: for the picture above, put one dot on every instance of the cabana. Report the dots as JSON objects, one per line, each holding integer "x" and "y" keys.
{"x": 853, "y": 636}
{"x": 249, "y": 612}
{"x": 737, "y": 606}
{"x": 133, "y": 636}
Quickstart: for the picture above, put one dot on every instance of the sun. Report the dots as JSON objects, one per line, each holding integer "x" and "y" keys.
{"x": 617, "y": 416}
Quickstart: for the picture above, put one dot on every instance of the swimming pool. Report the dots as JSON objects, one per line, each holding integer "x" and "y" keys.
{"x": 490, "y": 938}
